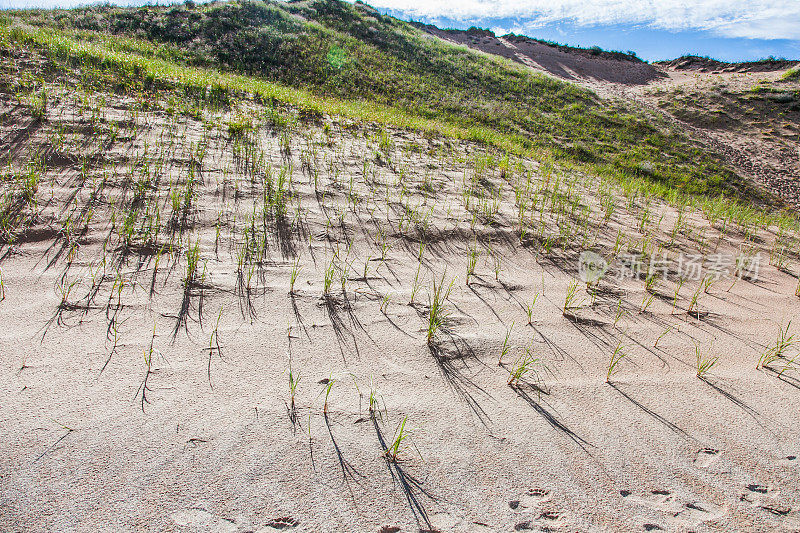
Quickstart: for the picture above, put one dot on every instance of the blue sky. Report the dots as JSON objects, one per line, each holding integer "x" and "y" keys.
{"x": 730, "y": 30}
{"x": 649, "y": 43}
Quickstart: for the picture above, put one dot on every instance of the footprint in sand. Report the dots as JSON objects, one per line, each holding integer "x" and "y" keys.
{"x": 647, "y": 526}
{"x": 657, "y": 499}
{"x": 532, "y": 498}
{"x": 545, "y": 519}
{"x": 767, "y": 500}
{"x": 694, "y": 513}
{"x": 548, "y": 520}
{"x": 279, "y": 524}
{"x": 759, "y": 495}
{"x": 760, "y": 489}
{"x": 705, "y": 457}
{"x": 686, "y": 514}
{"x": 788, "y": 518}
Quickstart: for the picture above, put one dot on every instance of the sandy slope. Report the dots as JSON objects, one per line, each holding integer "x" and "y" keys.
{"x": 759, "y": 137}
{"x": 213, "y": 445}
{"x": 577, "y": 65}
{"x": 768, "y": 151}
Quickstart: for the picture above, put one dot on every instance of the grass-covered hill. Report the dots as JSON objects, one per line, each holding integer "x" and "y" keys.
{"x": 333, "y": 57}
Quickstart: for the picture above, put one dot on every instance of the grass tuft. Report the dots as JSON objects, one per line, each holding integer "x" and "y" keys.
{"x": 703, "y": 364}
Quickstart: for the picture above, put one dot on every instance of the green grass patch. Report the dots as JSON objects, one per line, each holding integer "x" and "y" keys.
{"x": 583, "y": 135}
{"x": 348, "y": 59}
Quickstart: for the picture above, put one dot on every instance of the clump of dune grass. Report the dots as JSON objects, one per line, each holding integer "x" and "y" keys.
{"x": 293, "y": 274}
{"x": 240, "y": 126}
{"x": 374, "y": 402}
{"x": 527, "y": 366}
{"x": 776, "y": 352}
{"x": 703, "y": 363}
{"x": 616, "y": 357}
{"x": 437, "y": 312}
{"x": 570, "y": 298}
{"x": 401, "y": 443}
{"x": 529, "y": 309}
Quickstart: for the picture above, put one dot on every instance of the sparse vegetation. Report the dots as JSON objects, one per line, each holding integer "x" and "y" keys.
{"x": 437, "y": 311}
{"x": 778, "y": 351}
{"x": 173, "y": 161}
{"x": 570, "y": 298}
{"x": 417, "y": 61}
{"x": 703, "y": 363}
{"x": 400, "y": 443}
{"x": 472, "y": 262}
{"x": 327, "y": 386}
{"x": 616, "y": 357}
{"x": 527, "y": 366}
{"x": 293, "y": 275}
{"x": 529, "y": 308}
{"x": 294, "y": 380}
{"x": 505, "y": 348}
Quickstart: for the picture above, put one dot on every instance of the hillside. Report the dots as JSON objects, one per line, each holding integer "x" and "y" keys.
{"x": 303, "y": 267}
{"x": 351, "y": 52}
{"x": 563, "y": 62}
{"x": 706, "y": 64}
{"x": 751, "y": 116}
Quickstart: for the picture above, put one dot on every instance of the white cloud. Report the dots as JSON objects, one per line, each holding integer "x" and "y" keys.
{"x": 762, "y": 19}
{"x": 757, "y": 19}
